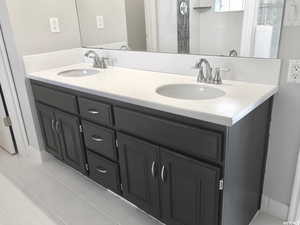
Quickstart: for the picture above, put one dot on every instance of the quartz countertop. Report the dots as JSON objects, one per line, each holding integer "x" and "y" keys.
{"x": 139, "y": 87}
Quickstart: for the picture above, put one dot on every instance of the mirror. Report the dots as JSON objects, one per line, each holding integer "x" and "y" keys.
{"x": 246, "y": 28}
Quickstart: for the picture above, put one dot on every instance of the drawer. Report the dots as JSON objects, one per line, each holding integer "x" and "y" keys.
{"x": 189, "y": 140}
{"x": 100, "y": 140}
{"x": 104, "y": 172}
{"x": 61, "y": 100}
{"x": 96, "y": 111}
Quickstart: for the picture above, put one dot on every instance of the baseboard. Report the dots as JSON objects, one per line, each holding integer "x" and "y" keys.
{"x": 274, "y": 208}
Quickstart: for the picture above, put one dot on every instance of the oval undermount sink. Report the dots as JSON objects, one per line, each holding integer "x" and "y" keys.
{"x": 190, "y": 91}
{"x": 78, "y": 73}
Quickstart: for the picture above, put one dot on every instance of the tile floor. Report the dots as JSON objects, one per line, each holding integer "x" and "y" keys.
{"x": 54, "y": 194}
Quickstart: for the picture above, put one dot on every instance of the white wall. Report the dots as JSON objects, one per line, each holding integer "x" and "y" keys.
{"x": 113, "y": 12}
{"x": 30, "y": 22}
{"x": 285, "y": 130}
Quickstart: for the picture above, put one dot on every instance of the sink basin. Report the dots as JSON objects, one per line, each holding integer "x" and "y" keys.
{"x": 78, "y": 73}
{"x": 190, "y": 91}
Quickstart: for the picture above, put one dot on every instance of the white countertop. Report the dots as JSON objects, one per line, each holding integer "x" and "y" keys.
{"x": 139, "y": 87}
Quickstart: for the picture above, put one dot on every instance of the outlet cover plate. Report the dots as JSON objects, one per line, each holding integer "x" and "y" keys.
{"x": 294, "y": 71}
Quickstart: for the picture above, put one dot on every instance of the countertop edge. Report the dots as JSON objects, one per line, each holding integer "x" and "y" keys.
{"x": 211, "y": 118}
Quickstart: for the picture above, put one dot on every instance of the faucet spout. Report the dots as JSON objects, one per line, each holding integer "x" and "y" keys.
{"x": 207, "y": 76}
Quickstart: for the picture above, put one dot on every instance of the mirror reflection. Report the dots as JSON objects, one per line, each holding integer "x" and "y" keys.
{"x": 249, "y": 28}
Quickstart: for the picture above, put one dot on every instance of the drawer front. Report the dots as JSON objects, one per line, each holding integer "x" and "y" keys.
{"x": 96, "y": 111}
{"x": 61, "y": 100}
{"x": 104, "y": 172}
{"x": 100, "y": 140}
{"x": 195, "y": 142}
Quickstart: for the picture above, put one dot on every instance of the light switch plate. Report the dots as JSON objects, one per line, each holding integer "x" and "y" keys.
{"x": 100, "y": 22}
{"x": 294, "y": 71}
{"x": 54, "y": 25}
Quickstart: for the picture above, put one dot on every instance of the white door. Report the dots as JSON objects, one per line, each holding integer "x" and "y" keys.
{"x": 6, "y": 140}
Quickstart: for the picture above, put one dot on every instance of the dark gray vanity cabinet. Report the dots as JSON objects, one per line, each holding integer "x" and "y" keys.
{"x": 180, "y": 170}
{"x": 62, "y": 136}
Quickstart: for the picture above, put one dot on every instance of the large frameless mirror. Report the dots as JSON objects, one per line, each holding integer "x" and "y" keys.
{"x": 247, "y": 28}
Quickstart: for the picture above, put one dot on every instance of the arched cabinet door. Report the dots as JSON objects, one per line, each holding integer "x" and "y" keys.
{"x": 139, "y": 173}
{"x": 47, "y": 123}
{"x": 189, "y": 190}
{"x": 71, "y": 141}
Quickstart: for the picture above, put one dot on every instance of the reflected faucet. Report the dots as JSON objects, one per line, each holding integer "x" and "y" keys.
{"x": 98, "y": 62}
{"x": 233, "y": 53}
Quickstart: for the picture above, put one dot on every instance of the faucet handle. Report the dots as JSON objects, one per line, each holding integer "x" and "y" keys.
{"x": 217, "y": 77}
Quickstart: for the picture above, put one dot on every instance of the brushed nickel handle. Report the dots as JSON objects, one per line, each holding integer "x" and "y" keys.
{"x": 93, "y": 111}
{"x": 53, "y": 125}
{"x": 153, "y": 169}
{"x": 97, "y": 139}
{"x": 163, "y": 174}
{"x": 101, "y": 171}
{"x": 57, "y": 126}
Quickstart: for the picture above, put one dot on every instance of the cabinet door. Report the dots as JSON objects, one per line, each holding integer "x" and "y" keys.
{"x": 67, "y": 127}
{"x": 47, "y": 123}
{"x": 189, "y": 191}
{"x": 139, "y": 173}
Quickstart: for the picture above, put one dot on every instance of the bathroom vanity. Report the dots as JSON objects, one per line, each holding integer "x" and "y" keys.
{"x": 181, "y": 161}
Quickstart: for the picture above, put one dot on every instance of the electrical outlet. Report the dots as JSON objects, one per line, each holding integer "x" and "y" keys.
{"x": 100, "y": 22}
{"x": 294, "y": 71}
{"x": 54, "y": 25}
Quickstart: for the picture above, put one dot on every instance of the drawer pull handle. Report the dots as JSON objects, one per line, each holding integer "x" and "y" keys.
{"x": 94, "y": 112}
{"x": 163, "y": 174}
{"x": 97, "y": 139}
{"x": 153, "y": 169}
{"x": 101, "y": 171}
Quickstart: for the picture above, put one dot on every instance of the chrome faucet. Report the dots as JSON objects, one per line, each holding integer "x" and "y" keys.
{"x": 211, "y": 76}
{"x": 98, "y": 62}
{"x": 207, "y": 77}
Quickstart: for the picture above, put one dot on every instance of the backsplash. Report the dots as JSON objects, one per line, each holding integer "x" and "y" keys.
{"x": 264, "y": 71}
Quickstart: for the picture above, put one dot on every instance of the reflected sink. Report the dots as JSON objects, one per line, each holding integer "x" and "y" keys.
{"x": 190, "y": 91}
{"x": 78, "y": 73}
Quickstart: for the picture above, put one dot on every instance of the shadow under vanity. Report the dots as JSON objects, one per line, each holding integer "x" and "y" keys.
{"x": 178, "y": 169}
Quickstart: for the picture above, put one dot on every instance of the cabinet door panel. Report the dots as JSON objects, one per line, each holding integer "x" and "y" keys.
{"x": 138, "y": 162}
{"x": 67, "y": 127}
{"x": 189, "y": 191}
{"x": 47, "y": 122}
